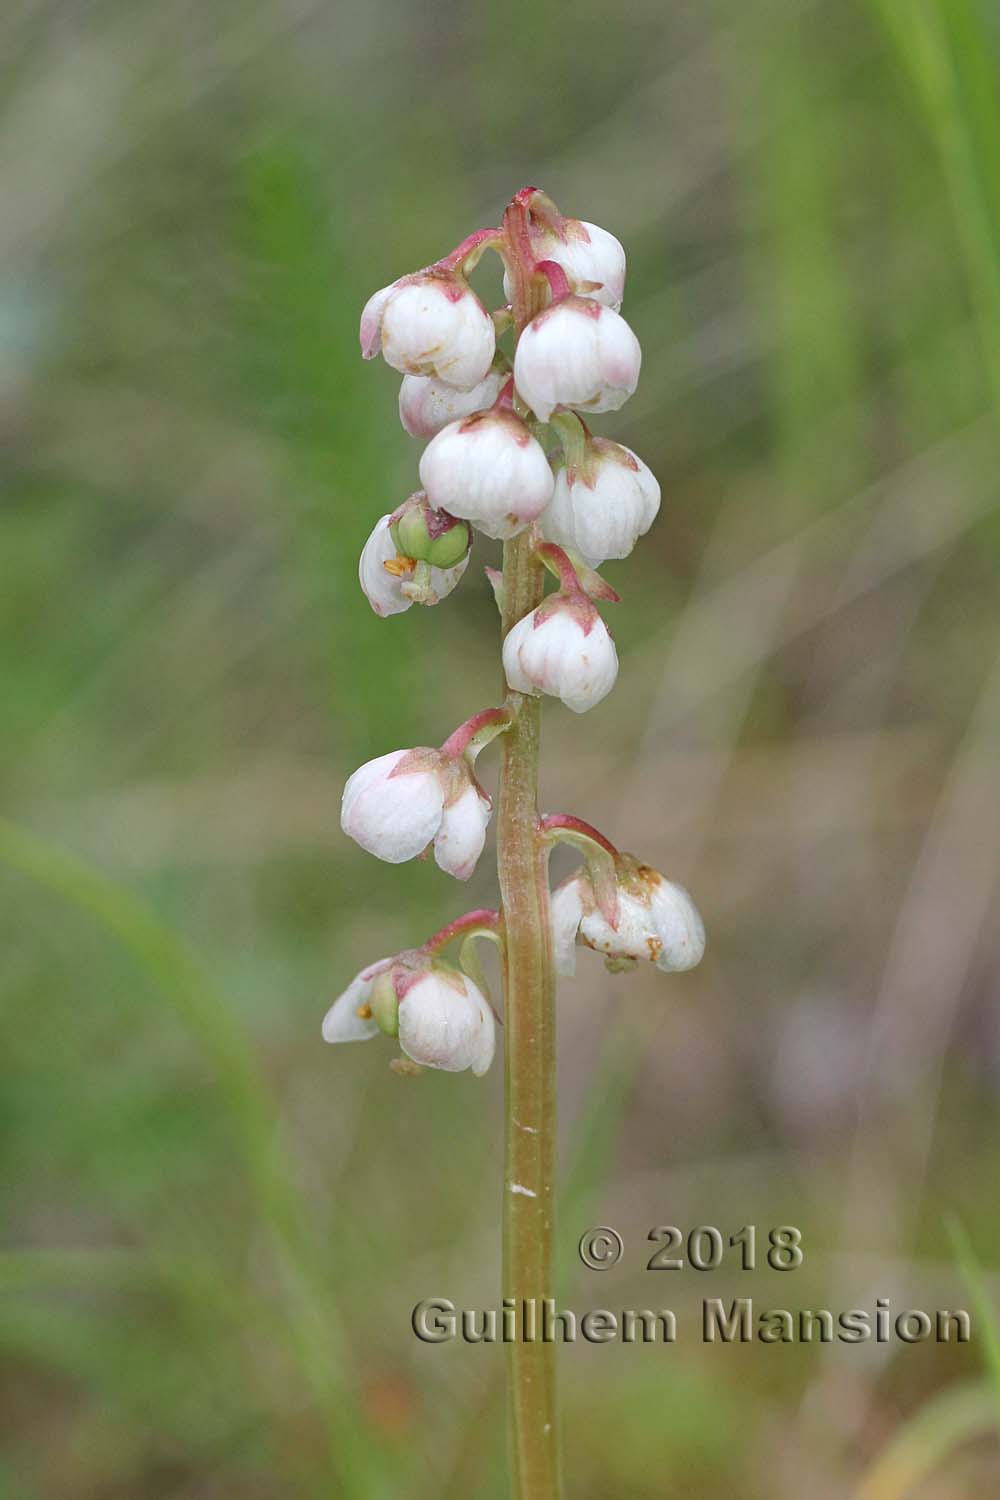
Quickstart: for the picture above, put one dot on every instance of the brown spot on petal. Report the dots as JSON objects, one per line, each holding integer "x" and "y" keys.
{"x": 654, "y": 948}
{"x": 364, "y": 1012}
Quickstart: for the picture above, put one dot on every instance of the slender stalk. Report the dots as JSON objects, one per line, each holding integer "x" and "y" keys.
{"x": 529, "y": 1003}
{"x": 530, "y": 1071}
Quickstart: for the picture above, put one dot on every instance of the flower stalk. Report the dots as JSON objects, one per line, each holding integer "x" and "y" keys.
{"x": 529, "y": 1003}
{"x": 529, "y": 1066}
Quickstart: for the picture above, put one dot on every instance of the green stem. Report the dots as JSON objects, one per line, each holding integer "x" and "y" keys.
{"x": 530, "y": 1070}
{"x": 529, "y": 998}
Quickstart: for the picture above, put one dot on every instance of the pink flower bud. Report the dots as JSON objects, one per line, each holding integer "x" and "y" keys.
{"x": 383, "y": 588}
{"x": 657, "y": 920}
{"x": 489, "y": 470}
{"x": 426, "y": 405}
{"x": 594, "y": 261}
{"x": 430, "y": 323}
{"x": 562, "y": 648}
{"x": 396, "y": 805}
{"x": 441, "y": 1017}
{"x": 576, "y": 353}
{"x": 602, "y": 506}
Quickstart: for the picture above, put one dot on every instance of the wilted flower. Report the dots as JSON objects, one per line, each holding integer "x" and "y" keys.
{"x": 430, "y": 323}
{"x": 562, "y": 648}
{"x": 576, "y": 353}
{"x": 657, "y": 920}
{"x": 602, "y": 505}
{"x": 441, "y": 1018}
{"x": 489, "y": 470}
{"x": 426, "y": 405}
{"x": 384, "y": 574}
{"x": 396, "y": 805}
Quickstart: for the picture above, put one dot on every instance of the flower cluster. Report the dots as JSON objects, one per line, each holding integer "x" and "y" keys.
{"x": 509, "y": 455}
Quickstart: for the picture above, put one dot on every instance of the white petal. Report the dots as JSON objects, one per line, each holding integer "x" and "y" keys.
{"x": 599, "y": 258}
{"x": 342, "y": 1022}
{"x": 632, "y": 938}
{"x": 393, "y": 817}
{"x": 517, "y": 677}
{"x": 462, "y": 834}
{"x": 381, "y": 589}
{"x": 426, "y": 405}
{"x": 442, "y": 1026}
{"x": 620, "y": 362}
{"x": 591, "y": 672}
{"x": 371, "y": 321}
{"x": 678, "y": 927}
{"x": 443, "y": 580}
{"x": 567, "y": 910}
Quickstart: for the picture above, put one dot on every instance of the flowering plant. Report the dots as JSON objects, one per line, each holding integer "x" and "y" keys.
{"x": 510, "y": 456}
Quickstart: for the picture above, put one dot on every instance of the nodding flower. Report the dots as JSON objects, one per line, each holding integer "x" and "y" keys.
{"x": 602, "y": 504}
{"x": 576, "y": 353}
{"x": 657, "y": 920}
{"x": 430, "y": 323}
{"x": 489, "y": 470}
{"x": 387, "y": 578}
{"x": 562, "y": 648}
{"x": 593, "y": 260}
{"x": 398, "y": 804}
{"x": 442, "y": 1019}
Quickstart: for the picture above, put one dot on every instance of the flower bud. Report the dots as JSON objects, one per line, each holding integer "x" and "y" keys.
{"x": 396, "y": 805}
{"x": 657, "y": 920}
{"x": 426, "y": 405}
{"x": 562, "y": 648}
{"x": 489, "y": 470}
{"x": 384, "y": 585}
{"x": 601, "y": 507}
{"x": 441, "y": 1017}
{"x": 576, "y": 353}
{"x": 593, "y": 260}
{"x": 430, "y": 323}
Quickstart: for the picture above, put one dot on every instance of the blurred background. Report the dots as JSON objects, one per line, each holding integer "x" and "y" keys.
{"x": 214, "y": 1229}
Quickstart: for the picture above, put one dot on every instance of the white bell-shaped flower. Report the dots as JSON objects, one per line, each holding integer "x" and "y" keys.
{"x": 593, "y": 260}
{"x": 657, "y": 920}
{"x": 426, "y": 405}
{"x": 396, "y": 805}
{"x": 562, "y": 648}
{"x": 384, "y": 586}
{"x": 488, "y": 470}
{"x": 430, "y": 323}
{"x": 601, "y": 506}
{"x": 446, "y": 1022}
{"x": 440, "y": 1016}
{"x": 577, "y": 353}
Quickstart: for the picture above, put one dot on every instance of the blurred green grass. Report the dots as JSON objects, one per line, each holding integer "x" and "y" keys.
{"x": 214, "y": 1228}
